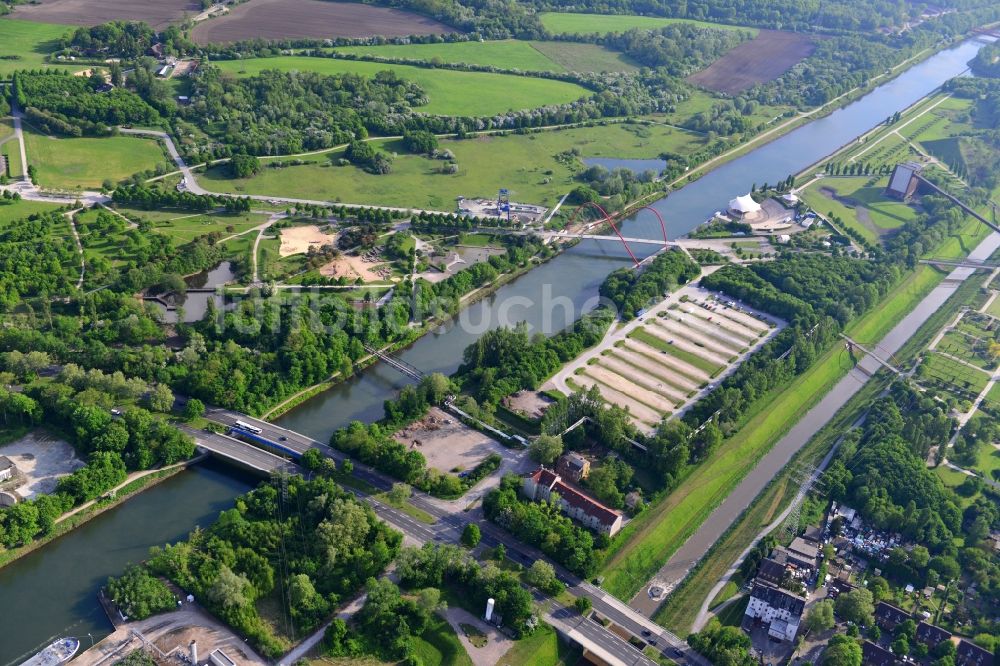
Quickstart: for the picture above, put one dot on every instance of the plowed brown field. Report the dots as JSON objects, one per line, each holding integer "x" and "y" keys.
{"x": 764, "y": 58}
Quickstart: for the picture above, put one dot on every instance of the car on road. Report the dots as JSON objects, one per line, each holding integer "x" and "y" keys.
{"x": 678, "y": 652}
{"x": 282, "y": 439}
{"x": 647, "y": 632}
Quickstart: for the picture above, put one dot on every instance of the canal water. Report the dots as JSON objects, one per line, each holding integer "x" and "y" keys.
{"x": 570, "y": 281}
{"x": 52, "y": 592}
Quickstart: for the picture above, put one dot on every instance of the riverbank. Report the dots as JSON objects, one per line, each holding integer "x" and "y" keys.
{"x": 69, "y": 521}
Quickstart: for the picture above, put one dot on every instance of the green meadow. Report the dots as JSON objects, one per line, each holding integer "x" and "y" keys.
{"x": 28, "y": 42}
{"x": 84, "y": 162}
{"x": 451, "y": 93}
{"x": 565, "y": 23}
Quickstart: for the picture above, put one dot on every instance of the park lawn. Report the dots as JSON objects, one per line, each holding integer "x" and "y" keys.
{"x": 566, "y": 23}
{"x": 15, "y": 210}
{"x": 694, "y": 359}
{"x": 881, "y": 213}
{"x": 649, "y": 541}
{"x": 186, "y": 228}
{"x": 450, "y": 92}
{"x": 988, "y": 461}
{"x": 953, "y": 374}
{"x": 520, "y": 163}
{"x": 84, "y": 162}
{"x": 6, "y": 127}
{"x": 439, "y": 645}
{"x": 13, "y": 152}
{"x": 505, "y": 53}
{"x": 30, "y": 41}
{"x": 541, "y": 648}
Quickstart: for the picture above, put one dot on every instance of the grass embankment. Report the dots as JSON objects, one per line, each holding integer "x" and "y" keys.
{"x": 649, "y": 541}
{"x": 449, "y": 92}
{"x": 682, "y": 606}
{"x": 506, "y": 54}
{"x": 531, "y": 167}
{"x": 85, "y": 163}
{"x": 566, "y": 23}
{"x": 542, "y": 648}
{"x": 81, "y": 517}
{"x": 15, "y": 210}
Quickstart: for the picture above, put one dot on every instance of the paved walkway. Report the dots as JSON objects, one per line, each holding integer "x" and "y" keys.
{"x": 497, "y": 643}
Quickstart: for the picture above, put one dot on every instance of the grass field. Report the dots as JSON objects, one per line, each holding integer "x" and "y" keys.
{"x": 450, "y": 92}
{"x": 507, "y": 54}
{"x": 953, "y": 374}
{"x": 439, "y": 645}
{"x": 13, "y": 153}
{"x": 15, "y": 210}
{"x": 31, "y": 42}
{"x": 184, "y": 227}
{"x": 542, "y": 648}
{"x": 525, "y": 164}
{"x": 78, "y": 163}
{"x": 858, "y": 201}
{"x": 561, "y": 23}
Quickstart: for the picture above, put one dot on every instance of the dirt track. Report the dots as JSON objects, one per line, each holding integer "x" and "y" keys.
{"x": 764, "y": 58}
{"x": 685, "y": 369}
{"x": 157, "y": 13}
{"x": 318, "y": 19}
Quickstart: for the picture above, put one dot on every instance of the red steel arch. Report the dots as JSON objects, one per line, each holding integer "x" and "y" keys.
{"x": 659, "y": 217}
{"x": 610, "y": 220}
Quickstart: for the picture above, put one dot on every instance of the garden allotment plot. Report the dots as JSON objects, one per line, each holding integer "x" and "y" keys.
{"x": 660, "y": 363}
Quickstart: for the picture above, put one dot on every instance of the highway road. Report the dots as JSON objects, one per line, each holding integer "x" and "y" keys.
{"x": 448, "y": 529}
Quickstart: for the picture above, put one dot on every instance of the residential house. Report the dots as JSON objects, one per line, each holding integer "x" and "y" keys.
{"x": 779, "y": 609}
{"x": 888, "y": 617}
{"x": 7, "y": 468}
{"x": 931, "y": 636}
{"x": 540, "y": 484}
{"x": 873, "y": 655}
{"x": 771, "y": 571}
{"x": 573, "y": 466}
{"x": 970, "y": 654}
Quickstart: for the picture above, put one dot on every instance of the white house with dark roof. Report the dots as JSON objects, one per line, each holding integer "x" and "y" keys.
{"x": 779, "y": 609}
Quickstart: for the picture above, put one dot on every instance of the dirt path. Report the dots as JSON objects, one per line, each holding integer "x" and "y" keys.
{"x": 737, "y": 329}
{"x": 714, "y": 329}
{"x": 79, "y": 246}
{"x": 693, "y": 334}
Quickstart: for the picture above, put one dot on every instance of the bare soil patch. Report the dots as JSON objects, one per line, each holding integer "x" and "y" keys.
{"x": 446, "y": 443}
{"x": 764, "y": 58}
{"x": 317, "y": 19}
{"x": 355, "y": 267}
{"x": 157, "y": 13}
{"x": 531, "y": 404}
{"x": 298, "y": 240}
{"x": 42, "y": 460}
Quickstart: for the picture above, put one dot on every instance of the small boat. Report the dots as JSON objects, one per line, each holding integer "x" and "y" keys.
{"x": 57, "y": 652}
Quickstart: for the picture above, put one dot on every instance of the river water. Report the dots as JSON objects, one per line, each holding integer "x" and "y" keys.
{"x": 570, "y": 281}
{"x": 53, "y": 591}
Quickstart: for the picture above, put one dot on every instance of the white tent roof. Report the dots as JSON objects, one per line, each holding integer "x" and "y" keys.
{"x": 744, "y": 204}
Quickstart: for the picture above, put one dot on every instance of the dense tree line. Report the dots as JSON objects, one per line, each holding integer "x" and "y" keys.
{"x": 75, "y": 105}
{"x": 679, "y": 49}
{"x": 880, "y": 470}
{"x": 631, "y": 290}
{"x": 36, "y": 260}
{"x": 277, "y": 113}
{"x": 505, "y": 360}
{"x": 308, "y": 542}
{"x": 150, "y": 198}
{"x": 541, "y": 524}
{"x": 987, "y": 61}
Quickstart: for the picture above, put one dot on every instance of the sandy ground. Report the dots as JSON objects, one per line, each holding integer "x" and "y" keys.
{"x": 740, "y": 317}
{"x": 681, "y": 342}
{"x": 298, "y": 240}
{"x": 530, "y": 403}
{"x": 627, "y": 385}
{"x": 714, "y": 329}
{"x": 692, "y": 334}
{"x": 353, "y": 268}
{"x": 43, "y": 460}
{"x": 689, "y": 371}
{"x": 448, "y": 446}
{"x": 646, "y": 416}
{"x": 656, "y": 367}
{"x": 737, "y": 331}
{"x": 497, "y": 643}
{"x": 642, "y": 377}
